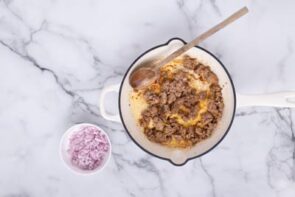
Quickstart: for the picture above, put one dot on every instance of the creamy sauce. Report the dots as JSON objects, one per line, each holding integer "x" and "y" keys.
{"x": 137, "y": 103}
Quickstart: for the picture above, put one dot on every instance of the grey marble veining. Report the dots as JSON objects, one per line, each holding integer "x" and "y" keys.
{"x": 56, "y": 56}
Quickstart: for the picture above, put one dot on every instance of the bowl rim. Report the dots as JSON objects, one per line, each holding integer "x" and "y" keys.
{"x": 87, "y": 173}
{"x": 234, "y": 104}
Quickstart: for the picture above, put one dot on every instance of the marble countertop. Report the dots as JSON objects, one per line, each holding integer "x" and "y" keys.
{"x": 56, "y": 56}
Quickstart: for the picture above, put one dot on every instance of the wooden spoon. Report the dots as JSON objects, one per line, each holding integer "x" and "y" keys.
{"x": 147, "y": 73}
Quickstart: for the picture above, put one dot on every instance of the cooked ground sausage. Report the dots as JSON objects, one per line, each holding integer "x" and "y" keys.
{"x": 176, "y": 110}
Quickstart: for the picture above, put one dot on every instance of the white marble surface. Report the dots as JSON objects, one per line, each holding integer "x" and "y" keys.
{"x": 56, "y": 56}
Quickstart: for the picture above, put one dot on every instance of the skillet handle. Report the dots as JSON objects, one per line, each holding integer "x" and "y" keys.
{"x": 278, "y": 99}
{"x": 103, "y": 112}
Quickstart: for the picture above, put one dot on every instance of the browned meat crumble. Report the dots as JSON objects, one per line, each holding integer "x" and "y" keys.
{"x": 178, "y": 114}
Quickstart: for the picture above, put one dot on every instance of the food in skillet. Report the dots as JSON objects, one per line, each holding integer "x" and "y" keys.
{"x": 182, "y": 107}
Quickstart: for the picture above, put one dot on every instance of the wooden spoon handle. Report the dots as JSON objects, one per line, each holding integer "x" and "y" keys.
{"x": 203, "y": 36}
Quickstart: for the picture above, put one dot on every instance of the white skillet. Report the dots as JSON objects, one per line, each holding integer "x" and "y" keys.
{"x": 232, "y": 100}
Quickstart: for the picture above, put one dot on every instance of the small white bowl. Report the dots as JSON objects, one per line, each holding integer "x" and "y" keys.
{"x": 65, "y": 157}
